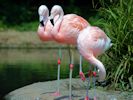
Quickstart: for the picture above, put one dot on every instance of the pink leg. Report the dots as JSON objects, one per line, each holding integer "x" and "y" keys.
{"x": 94, "y": 80}
{"x": 95, "y": 98}
{"x": 86, "y": 98}
{"x": 93, "y": 75}
{"x": 70, "y": 82}
{"x": 81, "y": 74}
{"x": 57, "y": 93}
{"x": 89, "y": 75}
{"x": 70, "y": 74}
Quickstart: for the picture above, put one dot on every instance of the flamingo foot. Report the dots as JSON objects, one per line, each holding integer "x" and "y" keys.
{"x": 56, "y": 94}
{"x": 70, "y": 98}
{"x": 86, "y": 98}
{"x": 82, "y": 76}
{"x": 95, "y": 98}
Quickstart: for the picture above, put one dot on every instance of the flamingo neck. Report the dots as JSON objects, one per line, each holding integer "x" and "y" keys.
{"x": 57, "y": 22}
{"x": 100, "y": 66}
{"x": 44, "y": 34}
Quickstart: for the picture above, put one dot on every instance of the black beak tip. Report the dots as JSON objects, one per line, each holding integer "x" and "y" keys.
{"x": 52, "y": 22}
{"x": 41, "y": 22}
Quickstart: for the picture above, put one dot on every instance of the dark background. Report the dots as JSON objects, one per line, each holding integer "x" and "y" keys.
{"x": 18, "y": 11}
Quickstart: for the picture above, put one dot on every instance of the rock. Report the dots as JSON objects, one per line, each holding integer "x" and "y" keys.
{"x": 43, "y": 91}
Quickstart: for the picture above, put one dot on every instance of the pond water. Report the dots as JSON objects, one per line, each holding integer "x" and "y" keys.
{"x": 20, "y": 67}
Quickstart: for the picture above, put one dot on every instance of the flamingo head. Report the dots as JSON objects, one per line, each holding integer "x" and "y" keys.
{"x": 56, "y": 10}
{"x": 43, "y": 14}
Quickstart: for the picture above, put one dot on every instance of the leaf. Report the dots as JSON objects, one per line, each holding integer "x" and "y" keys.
{"x": 131, "y": 81}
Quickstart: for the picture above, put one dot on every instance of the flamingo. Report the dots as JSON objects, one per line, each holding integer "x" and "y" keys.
{"x": 91, "y": 43}
{"x": 65, "y": 31}
{"x": 45, "y": 26}
{"x": 44, "y": 33}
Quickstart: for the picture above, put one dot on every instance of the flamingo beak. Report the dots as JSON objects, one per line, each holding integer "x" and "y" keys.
{"x": 51, "y": 19}
{"x": 41, "y": 19}
{"x": 42, "y": 23}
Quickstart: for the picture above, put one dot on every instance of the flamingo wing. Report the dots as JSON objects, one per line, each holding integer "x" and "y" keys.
{"x": 71, "y": 26}
{"x": 74, "y": 22}
{"x": 93, "y": 39}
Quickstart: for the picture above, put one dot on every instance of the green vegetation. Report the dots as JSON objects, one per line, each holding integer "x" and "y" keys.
{"x": 14, "y": 12}
{"x": 30, "y": 26}
{"x": 115, "y": 17}
{"x": 26, "y": 26}
{"x": 117, "y": 21}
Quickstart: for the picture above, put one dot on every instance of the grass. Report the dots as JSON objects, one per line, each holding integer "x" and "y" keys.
{"x": 117, "y": 21}
{"x": 29, "y": 26}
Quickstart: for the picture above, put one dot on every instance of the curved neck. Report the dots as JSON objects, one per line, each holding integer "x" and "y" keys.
{"x": 58, "y": 21}
{"x": 44, "y": 33}
{"x": 100, "y": 66}
{"x": 43, "y": 18}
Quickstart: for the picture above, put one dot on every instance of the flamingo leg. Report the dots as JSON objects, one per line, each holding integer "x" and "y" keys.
{"x": 58, "y": 76}
{"x": 70, "y": 83}
{"x": 81, "y": 74}
{"x": 88, "y": 85}
{"x": 57, "y": 93}
{"x": 70, "y": 74}
{"x": 94, "y": 82}
{"x": 81, "y": 63}
{"x": 58, "y": 80}
{"x": 93, "y": 75}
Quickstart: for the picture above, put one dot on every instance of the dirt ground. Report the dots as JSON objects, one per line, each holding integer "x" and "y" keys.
{"x": 43, "y": 91}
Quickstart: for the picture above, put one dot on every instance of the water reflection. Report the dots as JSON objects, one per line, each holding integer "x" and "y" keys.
{"x": 21, "y": 67}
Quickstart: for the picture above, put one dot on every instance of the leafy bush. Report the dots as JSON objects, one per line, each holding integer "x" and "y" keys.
{"x": 117, "y": 21}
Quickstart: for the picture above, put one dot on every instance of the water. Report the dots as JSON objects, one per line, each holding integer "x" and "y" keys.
{"x": 22, "y": 67}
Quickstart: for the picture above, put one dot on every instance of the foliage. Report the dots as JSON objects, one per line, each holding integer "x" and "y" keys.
{"x": 2, "y": 26}
{"x": 14, "y": 12}
{"x": 31, "y": 26}
{"x": 117, "y": 21}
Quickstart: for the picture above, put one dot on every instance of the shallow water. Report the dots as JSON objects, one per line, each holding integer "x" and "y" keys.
{"x": 20, "y": 67}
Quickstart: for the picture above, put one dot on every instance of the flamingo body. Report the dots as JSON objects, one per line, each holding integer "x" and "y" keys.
{"x": 45, "y": 26}
{"x": 69, "y": 29}
{"x": 92, "y": 42}
{"x": 66, "y": 30}
{"x": 44, "y": 32}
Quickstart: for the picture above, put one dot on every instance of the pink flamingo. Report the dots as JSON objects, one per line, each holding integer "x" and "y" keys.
{"x": 45, "y": 26}
{"x": 92, "y": 42}
{"x": 44, "y": 33}
{"x": 66, "y": 30}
